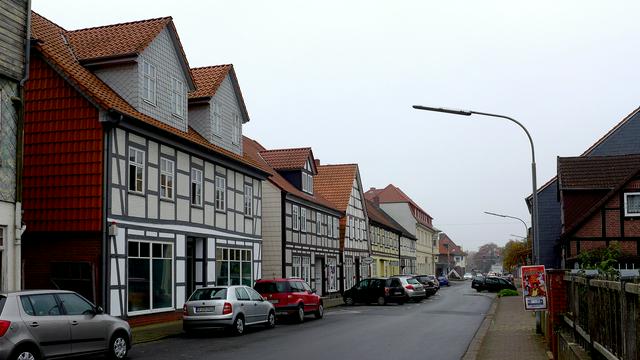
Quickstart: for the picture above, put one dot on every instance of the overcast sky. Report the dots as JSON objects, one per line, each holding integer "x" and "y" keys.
{"x": 341, "y": 76}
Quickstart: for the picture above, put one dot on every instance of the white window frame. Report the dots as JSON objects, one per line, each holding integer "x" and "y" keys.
{"x": 306, "y": 269}
{"x": 221, "y": 193}
{"x": 196, "y": 187}
{"x": 296, "y": 266}
{"x": 248, "y": 200}
{"x": 318, "y": 224}
{"x": 303, "y": 219}
{"x": 173, "y": 278}
{"x": 235, "y": 118}
{"x": 167, "y": 173}
{"x": 216, "y": 121}
{"x": 3, "y": 234}
{"x": 135, "y": 151}
{"x": 178, "y": 97}
{"x": 223, "y": 254}
{"x": 330, "y": 226}
{"x": 332, "y": 279}
{"x": 149, "y": 78}
{"x": 626, "y": 208}
{"x": 295, "y": 217}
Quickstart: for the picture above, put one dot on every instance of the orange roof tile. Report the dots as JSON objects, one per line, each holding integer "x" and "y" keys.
{"x": 393, "y": 194}
{"x": 115, "y": 40}
{"x": 334, "y": 183}
{"x": 254, "y": 149}
{"x": 208, "y": 80}
{"x": 287, "y": 159}
{"x": 59, "y": 55}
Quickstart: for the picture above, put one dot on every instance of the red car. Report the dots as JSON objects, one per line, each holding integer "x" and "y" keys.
{"x": 291, "y": 297}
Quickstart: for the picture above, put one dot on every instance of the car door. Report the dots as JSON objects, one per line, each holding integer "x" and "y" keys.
{"x": 361, "y": 291}
{"x": 376, "y": 289}
{"x": 88, "y": 329}
{"x": 246, "y": 305}
{"x": 42, "y": 315}
{"x": 261, "y": 307}
{"x": 504, "y": 284}
{"x": 491, "y": 284}
{"x": 310, "y": 299}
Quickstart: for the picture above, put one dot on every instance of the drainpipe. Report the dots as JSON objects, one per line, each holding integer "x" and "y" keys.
{"x": 19, "y": 104}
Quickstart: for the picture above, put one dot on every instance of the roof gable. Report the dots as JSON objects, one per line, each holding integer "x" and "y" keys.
{"x": 377, "y": 215}
{"x": 393, "y": 194}
{"x": 334, "y": 183}
{"x": 125, "y": 40}
{"x": 208, "y": 80}
{"x": 289, "y": 159}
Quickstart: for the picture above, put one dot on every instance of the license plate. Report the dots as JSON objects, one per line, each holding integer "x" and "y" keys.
{"x": 205, "y": 309}
{"x": 274, "y": 301}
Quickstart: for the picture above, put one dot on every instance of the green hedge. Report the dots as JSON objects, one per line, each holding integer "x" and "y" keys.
{"x": 507, "y": 292}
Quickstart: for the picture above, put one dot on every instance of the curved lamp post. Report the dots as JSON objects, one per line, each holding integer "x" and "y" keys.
{"x": 526, "y": 228}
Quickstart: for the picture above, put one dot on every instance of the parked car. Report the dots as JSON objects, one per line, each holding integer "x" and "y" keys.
{"x": 414, "y": 290}
{"x": 42, "y": 324}
{"x": 430, "y": 284}
{"x": 491, "y": 283}
{"x": 468, "y": 276}
{"x": 230, "y": 307}
{"x": 291, "y": 297}
{"x": 376, "y": 290}
{"x": 443, "y": 281}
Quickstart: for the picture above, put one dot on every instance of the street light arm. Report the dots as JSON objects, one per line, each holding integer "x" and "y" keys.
{"x": 526, "y": 228}
{"x": 533, "y": 153}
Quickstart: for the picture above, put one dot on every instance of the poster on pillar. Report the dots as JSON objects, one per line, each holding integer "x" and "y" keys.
{"x": 534, "y": 287}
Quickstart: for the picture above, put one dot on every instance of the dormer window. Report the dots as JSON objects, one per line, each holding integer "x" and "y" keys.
{"x": 307, "y": 178}
{"x": 217, "y": 118}
{"x": 235, "y": 118}
{"x": 178, "y": 97}
{"x": 149, "y": 82}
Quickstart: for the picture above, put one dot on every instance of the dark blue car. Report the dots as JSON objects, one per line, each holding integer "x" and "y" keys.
{"x": 443, "y": 281}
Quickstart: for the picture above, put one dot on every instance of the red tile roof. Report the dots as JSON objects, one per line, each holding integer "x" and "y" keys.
{"x": 454, "y": 249}
{"x": 393, "y": 194}
{"x": 334, "y": 183}
{"x": 208, "y": 80}
{"x": 377, "y": 215}
{"x": 117, "y": 40}
{"x": 59, "y": 55}
{"x": 253, "y": 149}
{"x": 287, "y": 159}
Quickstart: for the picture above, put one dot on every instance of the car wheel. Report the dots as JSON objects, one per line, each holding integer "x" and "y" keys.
{"x": 271, "y": 320}
{"x": 349, "y": 301}
{"x": 300, "y": 314}
{"x": 320, "y": 312}
{"x": 26, "y": 353}
{"x": 238, "y": 326}
{"x": 119, "y": 346}
{"x": 382, "y": 300}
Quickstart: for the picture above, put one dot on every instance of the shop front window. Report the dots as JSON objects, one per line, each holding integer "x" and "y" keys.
{"x": 150, "y": 279}
{"x": 234, "y": 267}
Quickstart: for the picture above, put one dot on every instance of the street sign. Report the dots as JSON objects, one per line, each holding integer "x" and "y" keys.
{"x": 367, "y": 260}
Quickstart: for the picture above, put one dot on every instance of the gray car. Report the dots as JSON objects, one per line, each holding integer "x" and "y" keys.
{"x": 413, "y": 288}
{"x": 230, "y": 307}
{"x": 56, "y": 323}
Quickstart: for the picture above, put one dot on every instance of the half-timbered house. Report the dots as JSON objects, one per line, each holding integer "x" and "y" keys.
{"x": 385, "y": 241}
{"x": 600, "y": 205}
{"x": 342, "y": 186}
{"x": 136, "y": 191}
{"x": 300, "y": 232}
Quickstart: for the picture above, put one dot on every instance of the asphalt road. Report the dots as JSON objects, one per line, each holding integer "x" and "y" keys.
{"x": 440, "y": 327}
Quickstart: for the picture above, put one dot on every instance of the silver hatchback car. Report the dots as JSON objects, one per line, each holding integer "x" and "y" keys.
{"x": 231, "y": 307}
{"x": 57, "y": 323}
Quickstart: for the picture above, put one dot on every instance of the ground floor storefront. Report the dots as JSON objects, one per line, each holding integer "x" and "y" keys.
{"x": 319, "y": 267}
{"x": 153, "y": 270}
{"x": 385, "y": 265}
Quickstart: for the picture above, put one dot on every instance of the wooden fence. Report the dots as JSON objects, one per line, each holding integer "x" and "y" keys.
{"x": 604, "y": 316}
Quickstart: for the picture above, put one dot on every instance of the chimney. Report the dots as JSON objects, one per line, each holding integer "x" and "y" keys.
{"x": 372, "y": 189}
{"x": 317, "y": 161}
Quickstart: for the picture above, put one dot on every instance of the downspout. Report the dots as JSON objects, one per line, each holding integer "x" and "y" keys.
{"x": 283, "y": 225}
{"x": 19, "y": 227}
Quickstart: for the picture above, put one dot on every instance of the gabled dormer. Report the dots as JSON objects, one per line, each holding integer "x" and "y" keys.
{"x": 143, "y": 61}
{"x": 216, "y": 109}
{"x": 297, "y": 165}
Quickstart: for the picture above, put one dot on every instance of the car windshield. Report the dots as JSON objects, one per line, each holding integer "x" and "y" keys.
{"x": 209, "y": 294}
{"x": 271, "y": 287}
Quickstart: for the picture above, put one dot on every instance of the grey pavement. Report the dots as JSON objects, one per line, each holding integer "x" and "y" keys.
{"x": 440, "y": 327}
{"x": 512, "y": 334}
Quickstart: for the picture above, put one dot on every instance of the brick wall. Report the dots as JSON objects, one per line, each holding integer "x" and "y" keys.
{"x": 150, "y": 319}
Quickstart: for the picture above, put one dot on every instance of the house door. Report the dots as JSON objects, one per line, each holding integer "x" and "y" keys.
{"x": 319, "y": 265}
{"x": 191, "y": 266}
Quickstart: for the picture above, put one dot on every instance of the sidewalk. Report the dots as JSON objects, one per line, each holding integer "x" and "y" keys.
{"x": 512, "y": 334}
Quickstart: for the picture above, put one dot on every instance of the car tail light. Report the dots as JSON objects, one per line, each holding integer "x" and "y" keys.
{"x": 227, "y": 309}
{"x": 4, "y": 326}
{"x": 184, "y": 310}
{"x": 408, "y": 287}
{"x": 386, "y": 291}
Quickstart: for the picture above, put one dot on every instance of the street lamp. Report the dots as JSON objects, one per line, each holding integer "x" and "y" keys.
{"x": 526, "y": 229}
{"x": 534, "y": 214}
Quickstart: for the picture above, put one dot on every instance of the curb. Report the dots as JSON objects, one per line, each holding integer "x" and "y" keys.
{"x": 474, "y": 346}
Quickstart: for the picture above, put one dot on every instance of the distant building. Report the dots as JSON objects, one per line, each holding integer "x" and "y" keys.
{"x": 451, "y": 258}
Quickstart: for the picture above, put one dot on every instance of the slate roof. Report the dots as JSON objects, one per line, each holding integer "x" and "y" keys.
{"x": 287, "y": 159}
{"x": 595, "y": 172}
{"x": 393, "y": 194}
{"x": 61, "y": 56}
{"x": 334, "y": 183}
{"x": 379, "y": 216}
{"x": 253, "y": 149}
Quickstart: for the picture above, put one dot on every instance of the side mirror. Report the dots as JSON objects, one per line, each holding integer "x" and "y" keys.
{"x": 99, "y": 310}
{"x": 313, "y": 291}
